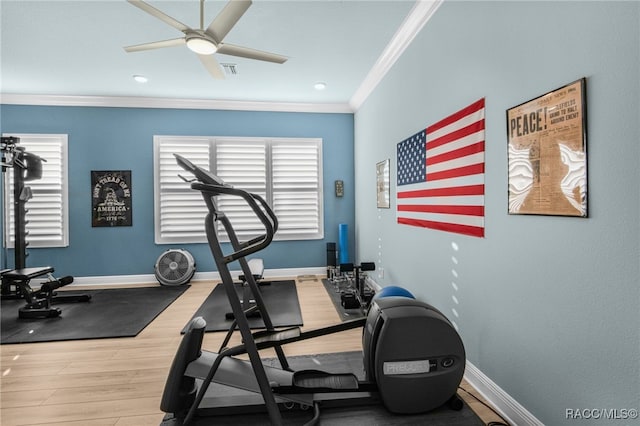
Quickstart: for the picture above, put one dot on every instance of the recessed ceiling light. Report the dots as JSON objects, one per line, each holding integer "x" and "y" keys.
{"x": 320, "y": 86}
{"x": 140, "y": 78}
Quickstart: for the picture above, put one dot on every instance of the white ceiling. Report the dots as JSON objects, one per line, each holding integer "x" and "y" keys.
{"x": 75, "y": 48}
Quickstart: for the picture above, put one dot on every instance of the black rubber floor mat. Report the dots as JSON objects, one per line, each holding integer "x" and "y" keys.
{"x": 118, "y": 312}
{"x": 280, "y": 297}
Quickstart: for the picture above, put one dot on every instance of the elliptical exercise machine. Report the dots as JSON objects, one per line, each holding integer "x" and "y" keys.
{"x": 413, "y": 358}
{"x": 16, "y": 283}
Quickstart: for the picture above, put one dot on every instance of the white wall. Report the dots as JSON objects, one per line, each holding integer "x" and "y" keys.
{"x": 548, "y": 307}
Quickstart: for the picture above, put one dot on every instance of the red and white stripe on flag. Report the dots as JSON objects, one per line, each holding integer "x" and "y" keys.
{"x": 451, "y": 196}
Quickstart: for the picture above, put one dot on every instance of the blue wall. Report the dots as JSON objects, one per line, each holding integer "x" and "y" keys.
{"x": 548, "y": 307}
{"x": 103, "y": 138}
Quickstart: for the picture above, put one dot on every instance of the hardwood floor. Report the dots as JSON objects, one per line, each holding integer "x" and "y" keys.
{"x": 119, "y": 382}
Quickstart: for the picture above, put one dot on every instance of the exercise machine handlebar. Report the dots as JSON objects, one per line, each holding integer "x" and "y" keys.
{"x": 211, "y": 186}
{"x": 259, "y": 207}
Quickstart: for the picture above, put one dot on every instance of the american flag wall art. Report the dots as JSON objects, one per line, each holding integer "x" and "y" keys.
{"x": 441, "y": 174}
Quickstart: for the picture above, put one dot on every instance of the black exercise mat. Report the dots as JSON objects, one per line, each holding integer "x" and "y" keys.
{"x": 280, "y": 298}
{"x": 371, "y": 415}
{"x": 118, "y": 312}
{"x": 334, "y": 293}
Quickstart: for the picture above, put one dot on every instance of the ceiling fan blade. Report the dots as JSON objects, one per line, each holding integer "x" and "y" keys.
{"x": 212, "y": 66}
{"x": 227, "y": 18}
{"x": 155, "y": 45}
{"x": 159, "y": 14}
{"x": 247, "y": 52}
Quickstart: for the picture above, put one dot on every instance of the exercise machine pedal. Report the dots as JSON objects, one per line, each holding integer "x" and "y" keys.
{"x": 267, "y": 337}
{"x": 320, "y": 381}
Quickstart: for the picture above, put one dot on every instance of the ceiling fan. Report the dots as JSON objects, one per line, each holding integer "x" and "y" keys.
{"x": 206, "y": 42}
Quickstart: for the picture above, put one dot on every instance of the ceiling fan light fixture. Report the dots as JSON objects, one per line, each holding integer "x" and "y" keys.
{"x": 201, "y": 45}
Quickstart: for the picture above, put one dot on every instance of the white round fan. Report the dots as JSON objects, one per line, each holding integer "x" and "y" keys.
{"x": 175, "y": 267}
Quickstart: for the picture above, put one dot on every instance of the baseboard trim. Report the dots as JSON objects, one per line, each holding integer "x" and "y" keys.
{"x": 508, "y": 407}
{"x": 199, "y": 276}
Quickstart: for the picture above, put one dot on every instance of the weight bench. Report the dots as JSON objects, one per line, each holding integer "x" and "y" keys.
{"x": 257, "y": 271}
{"x": 360, "y": 295}
{"x": 15, "y": 284}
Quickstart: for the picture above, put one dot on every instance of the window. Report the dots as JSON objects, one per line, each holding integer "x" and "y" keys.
{"x": 47, "y": 216}
{"x": 287, "y": 172}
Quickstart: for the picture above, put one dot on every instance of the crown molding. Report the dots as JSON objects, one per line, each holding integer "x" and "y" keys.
{"x": 145, "y": 102}
{"x": 419, "y": 15}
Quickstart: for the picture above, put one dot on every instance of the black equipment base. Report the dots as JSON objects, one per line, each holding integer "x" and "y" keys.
{"x": 333, "y": 413}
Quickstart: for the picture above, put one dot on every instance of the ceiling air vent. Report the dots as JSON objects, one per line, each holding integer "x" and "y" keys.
{"x": 230, "y": 69}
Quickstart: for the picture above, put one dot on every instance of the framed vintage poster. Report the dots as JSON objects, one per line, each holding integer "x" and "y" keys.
{"x": 547, "y": 151}
{"x": 382, "y": 184}
{"x": 111, "y": 198}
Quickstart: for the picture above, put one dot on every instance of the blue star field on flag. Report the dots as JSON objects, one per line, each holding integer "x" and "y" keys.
{"x": 412, "y": 159}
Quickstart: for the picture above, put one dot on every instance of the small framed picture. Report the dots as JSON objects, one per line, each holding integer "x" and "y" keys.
{"x": 111, "y": 198}
{"x": 382, "y": 181}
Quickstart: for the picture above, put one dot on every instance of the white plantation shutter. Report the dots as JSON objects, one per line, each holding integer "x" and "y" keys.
{"x": 47, "y": 215}
{"x": 243, "y": 164}
{"x": 296, "y": 185}
{"x": 179, "y": 210}
{"x": 286, "y": 172}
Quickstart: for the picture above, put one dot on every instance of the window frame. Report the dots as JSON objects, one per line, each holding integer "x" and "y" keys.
{"x": 214, "y": 162}
{"x": 62, "y": 141}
